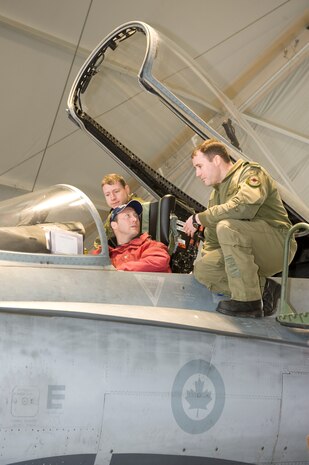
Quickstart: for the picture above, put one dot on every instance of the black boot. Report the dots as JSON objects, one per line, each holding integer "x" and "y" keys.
{"x": 271, "y": 295}
{"x": 251, "y": 309}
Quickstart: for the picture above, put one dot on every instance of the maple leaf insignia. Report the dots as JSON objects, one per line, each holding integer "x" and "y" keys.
{"x": 198, "y": 399}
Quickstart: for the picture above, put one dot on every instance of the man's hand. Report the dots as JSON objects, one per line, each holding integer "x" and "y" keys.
{"x": 188, "y": 228}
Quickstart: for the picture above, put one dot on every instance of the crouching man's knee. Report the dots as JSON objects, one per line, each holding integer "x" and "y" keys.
{"x": 201, "y": 271}
{"x": 225, "y": 231}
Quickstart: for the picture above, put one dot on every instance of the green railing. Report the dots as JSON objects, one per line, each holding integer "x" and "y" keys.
{"x": 288, "y": 316}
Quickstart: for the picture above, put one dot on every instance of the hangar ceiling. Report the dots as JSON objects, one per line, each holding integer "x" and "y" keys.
{"x": 256, "y": 51}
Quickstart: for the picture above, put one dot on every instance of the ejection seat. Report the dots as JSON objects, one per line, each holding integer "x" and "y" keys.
{"x": 158, "y": 218}
{"x": 160, "y": 221}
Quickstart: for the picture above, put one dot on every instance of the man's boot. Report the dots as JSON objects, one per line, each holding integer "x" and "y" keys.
{"x": 271, "y": 295}
{"x": 250, "y": 309}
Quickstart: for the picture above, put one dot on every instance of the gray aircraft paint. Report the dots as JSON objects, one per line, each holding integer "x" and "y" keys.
{"x": 118, "y": 376}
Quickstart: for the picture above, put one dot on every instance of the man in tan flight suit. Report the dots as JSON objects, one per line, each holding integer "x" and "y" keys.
{"x": 245, "y": 229}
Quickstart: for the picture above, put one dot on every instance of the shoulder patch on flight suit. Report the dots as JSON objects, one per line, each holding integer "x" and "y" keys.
{"x": 253, "y": 181}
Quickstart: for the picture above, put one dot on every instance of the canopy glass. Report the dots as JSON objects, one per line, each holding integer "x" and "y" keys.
{"x": 148, "y": 104}
{"x": 60, "y": 220}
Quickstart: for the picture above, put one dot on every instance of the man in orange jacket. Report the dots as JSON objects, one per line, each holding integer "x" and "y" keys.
{"x": 135, "y": 251}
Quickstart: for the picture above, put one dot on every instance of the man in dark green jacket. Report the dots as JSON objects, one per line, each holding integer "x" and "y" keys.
{"x": 116, "y": 192}
{"x": 245, "y": 229}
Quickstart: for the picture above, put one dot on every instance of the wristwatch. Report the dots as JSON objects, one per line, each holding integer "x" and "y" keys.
{"x": 195, "y": 224}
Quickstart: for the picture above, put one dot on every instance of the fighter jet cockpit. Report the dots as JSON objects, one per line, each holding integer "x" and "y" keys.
{"x": 148, "y": 104}
{"x": 57, "y": 224}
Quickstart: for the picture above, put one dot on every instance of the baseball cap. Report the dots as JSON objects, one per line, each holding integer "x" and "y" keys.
{"x": 135, "y": 204}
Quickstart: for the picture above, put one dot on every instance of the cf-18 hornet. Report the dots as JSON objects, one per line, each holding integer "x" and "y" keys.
{"x": 102, "y": 367}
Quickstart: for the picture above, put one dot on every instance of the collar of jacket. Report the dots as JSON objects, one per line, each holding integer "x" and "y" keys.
{"x": 136, "y": 242}
{"x": 230, "y": 173}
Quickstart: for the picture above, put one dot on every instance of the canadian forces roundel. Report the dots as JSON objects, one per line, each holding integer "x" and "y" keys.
{"x": 253, "y": 181}
{"x": 198, "y": 396}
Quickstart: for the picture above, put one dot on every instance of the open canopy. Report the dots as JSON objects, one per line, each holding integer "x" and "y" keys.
{"x": 148, "y": 104}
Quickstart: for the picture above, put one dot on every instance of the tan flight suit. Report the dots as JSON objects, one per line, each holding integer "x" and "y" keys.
{"x": 245, "y": 229}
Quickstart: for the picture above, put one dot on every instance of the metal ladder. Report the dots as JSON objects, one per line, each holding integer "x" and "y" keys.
{"x": 287, "y": 315}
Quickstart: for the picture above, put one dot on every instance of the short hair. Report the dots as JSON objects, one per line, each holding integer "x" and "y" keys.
{"x": 113, "y": 178}
{"x": 211, "y": 148}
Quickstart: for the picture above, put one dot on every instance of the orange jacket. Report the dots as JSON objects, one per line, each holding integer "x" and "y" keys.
{"x": 141, "y": 254}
